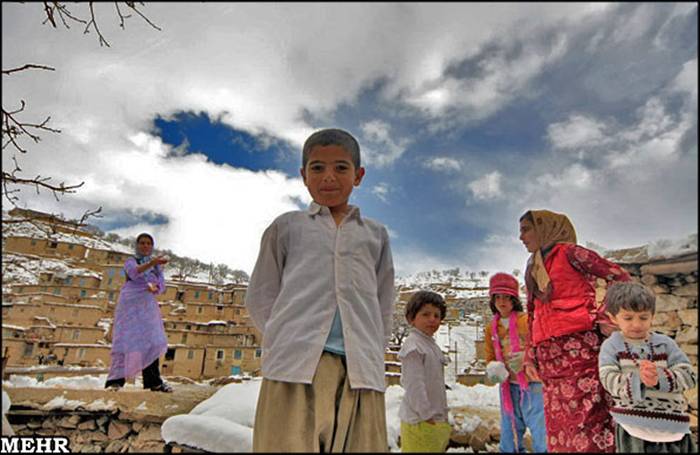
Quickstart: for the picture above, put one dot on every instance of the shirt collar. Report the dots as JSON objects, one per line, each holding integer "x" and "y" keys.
{"x": 421, "y": 334}
{"x": 314, "y": 209}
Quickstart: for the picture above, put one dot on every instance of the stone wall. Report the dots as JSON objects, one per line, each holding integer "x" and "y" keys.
{"x": 675, "y": 283}
{"x": 92, "y": 432}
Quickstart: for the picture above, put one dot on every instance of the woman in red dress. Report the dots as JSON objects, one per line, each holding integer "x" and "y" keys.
{"x": 566, "y": 331}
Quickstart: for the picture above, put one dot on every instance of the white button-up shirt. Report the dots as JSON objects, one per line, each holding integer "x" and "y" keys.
{"x": 423, "y": 379}
{"x": 306, "y": 269}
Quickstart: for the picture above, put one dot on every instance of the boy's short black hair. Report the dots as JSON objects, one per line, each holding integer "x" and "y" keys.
{"x": 422, "y": 298}
{"x": 332, "y": 136}
{"x": 517, "y": 304}
{"x": 629, "y": 296}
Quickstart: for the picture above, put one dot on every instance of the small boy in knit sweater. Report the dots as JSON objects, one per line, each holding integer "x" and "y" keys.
{"x": 646, "y": 374}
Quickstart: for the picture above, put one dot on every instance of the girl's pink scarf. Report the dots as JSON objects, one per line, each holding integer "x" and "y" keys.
{"x": 522, "y": 379}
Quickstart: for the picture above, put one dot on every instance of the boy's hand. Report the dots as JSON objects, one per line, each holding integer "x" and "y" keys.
{"x": 152, "y": 288}
{"x": 648, "y": 373}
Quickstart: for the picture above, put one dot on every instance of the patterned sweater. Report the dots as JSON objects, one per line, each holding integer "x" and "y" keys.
{"x": 662, "y": 407}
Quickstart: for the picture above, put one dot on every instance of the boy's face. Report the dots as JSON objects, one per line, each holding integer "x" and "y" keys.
{"x": 427, "y": 319}
{"x": 634, "y": 325}
{"x": 330, "y": 176}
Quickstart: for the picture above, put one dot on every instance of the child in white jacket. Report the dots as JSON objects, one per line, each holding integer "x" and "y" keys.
{"x": 423, "y": 411}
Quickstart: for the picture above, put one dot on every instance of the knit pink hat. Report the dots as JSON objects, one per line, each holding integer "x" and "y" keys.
{"x": 502, "y": 283}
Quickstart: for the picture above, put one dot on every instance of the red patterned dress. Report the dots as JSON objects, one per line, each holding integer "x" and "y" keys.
{"x": 576, "y": 404}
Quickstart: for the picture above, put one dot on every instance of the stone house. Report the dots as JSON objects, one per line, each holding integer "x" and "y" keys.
{"x": 83, "y": 354}
{"x": 183, "y": 360}
{"x": 227, "y": 361}
{"x": 79, "y": 335}
{"x": 49, "y": 248}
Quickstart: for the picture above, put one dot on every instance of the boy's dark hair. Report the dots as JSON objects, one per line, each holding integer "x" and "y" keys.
{"x": 629, "y": 296}
{"x": 332, "y": 136}
{"x": 517, "y": 304}
{"x": 422, "y": 298}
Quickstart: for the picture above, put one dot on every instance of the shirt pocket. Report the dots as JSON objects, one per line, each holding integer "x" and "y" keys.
{"x": 364, "y": 255}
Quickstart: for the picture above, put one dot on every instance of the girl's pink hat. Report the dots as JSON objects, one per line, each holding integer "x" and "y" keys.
{"x": 502, "y": 283}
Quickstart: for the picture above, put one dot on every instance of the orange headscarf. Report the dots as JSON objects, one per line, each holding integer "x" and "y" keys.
{"x": 550, "y": 228}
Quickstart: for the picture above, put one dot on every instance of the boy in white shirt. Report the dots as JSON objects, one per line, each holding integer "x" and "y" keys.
{"x": 423, "y": 410}
{"x": 322, "y": 294}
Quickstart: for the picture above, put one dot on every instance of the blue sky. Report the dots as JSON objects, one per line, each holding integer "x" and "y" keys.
{"x": 584, "y": 108}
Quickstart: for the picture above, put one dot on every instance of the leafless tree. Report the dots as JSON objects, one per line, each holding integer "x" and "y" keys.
{"x": 399, "y": 328}
{"x": 17, "y": 129}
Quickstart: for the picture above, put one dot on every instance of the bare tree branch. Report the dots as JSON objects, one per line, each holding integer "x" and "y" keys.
{"x": 14, "y": 128}
{"x": 52, "y": 8}
{"x": 88, "y": 214}
{"x": 93, "y": 22}
{"x": 132, "y": 5}
{"x": 26, "y": 67}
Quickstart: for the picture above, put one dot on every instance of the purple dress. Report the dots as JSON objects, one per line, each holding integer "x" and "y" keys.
{"x": 138, "y": 335}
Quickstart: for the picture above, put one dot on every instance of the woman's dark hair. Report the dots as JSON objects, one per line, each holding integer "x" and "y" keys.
{"x": 517, "y": 304}
{"x": 527, "y": 216}
{"x": 144, "y": 234}
{"x": 422, "y": 298}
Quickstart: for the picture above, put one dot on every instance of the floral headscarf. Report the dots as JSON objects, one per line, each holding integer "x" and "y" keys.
{"x": 550, "y": 228}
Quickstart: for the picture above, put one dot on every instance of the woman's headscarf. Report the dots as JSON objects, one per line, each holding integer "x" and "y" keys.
{"x": 141, "y": 259}
{"x": 550, "y": 228}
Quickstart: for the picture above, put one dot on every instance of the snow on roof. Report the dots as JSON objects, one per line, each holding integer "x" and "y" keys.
{"x": 25, "y": 269}
{"x": 657, "y": 250}
{"x": 13, "y": 327}
{"x": 47, "y": 320}
{"x": 27, "y": 229}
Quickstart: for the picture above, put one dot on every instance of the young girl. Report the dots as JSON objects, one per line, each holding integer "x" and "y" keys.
{"x": 423, "y": 411}
{"x": 521, "y": 396}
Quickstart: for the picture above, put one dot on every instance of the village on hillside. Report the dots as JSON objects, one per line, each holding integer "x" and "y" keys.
{"x": 61, "y": 283}
{"x": 60, "y": 286}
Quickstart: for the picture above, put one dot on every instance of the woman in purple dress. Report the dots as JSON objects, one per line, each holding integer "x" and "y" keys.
{"x": 138, "y": 335}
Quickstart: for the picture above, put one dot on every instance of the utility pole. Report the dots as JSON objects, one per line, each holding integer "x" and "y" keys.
{"x": 456, "y": 357}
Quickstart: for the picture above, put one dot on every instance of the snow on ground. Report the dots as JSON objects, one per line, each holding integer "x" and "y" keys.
{"x": 224, "y": 422}
{"x": 65, "y": 382}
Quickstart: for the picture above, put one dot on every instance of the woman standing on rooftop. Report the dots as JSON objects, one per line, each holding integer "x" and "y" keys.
{"x": 138, "y": 338}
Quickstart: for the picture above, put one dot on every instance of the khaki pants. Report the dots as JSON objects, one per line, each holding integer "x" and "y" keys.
{"x": 326, "y": 416}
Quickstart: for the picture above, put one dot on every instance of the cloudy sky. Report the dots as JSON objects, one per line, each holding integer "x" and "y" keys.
{"x": 467, "y": 115}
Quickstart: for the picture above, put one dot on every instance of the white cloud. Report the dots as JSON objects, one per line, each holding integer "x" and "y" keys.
{"x": 381, "y": 190}
{"x": 487, "y": 187}
{"x": 269, "y": 68}
{"x": 577, "y": 132}
{"x": 215, "y": 213}
{"x": 687, "y": 80}
{"x": 502, "y": 78}
{"x": 384, "y": 150}
{"x": 574, "y": 176}
{"x": 443, "y": 164}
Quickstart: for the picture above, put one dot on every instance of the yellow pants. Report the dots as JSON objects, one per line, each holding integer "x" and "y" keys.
{"x": 424, "y": 437}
